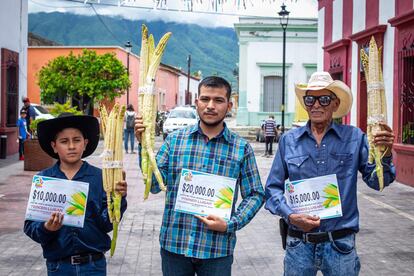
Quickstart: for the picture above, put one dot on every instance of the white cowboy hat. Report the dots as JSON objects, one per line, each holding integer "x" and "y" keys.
{"x": 323, "y": 80}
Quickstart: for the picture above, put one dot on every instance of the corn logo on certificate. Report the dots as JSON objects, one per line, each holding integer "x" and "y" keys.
{"x": 205, "y": 194}
{"x": 49, "y": 194}
{"x": 315, "y": 196}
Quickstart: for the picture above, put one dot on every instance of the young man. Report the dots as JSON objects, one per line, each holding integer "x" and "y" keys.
{"x": 69, "y": 250}
{"x": 269, "y": 129}
{"x": 321, "y": 148}
{"x": 205, "y": 245}
{"x": 30, "y": 112}
{"x": 23, "y": 133}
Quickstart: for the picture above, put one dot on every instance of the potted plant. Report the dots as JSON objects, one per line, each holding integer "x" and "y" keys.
{"x": 35, "y": 159}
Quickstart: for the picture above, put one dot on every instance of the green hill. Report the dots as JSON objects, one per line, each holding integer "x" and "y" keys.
{"x": 214, "y": 51}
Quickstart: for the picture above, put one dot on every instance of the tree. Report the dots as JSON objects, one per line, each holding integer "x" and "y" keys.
{"x": 85, "y": 78}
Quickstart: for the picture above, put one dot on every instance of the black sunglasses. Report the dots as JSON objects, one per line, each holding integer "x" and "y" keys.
{"x": 324, "y": 100}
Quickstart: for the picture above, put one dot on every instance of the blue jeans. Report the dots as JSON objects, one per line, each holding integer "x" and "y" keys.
{"x": 129, "y": 135}
{"x": 93, "y": 268}
{"x": 179, "y": 265}
{"x": 338, "y": 257}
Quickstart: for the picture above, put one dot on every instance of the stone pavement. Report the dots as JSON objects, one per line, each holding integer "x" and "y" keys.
{"x": 385, "y": 242}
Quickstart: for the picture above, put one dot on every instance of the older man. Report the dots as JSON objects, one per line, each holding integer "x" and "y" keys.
{"x": 323, "y": 148}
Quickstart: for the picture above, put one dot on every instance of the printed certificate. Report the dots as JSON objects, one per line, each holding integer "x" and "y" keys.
{"x": 315, "y": 196}
{"x": 204, "y": 194}
{"x": 50, "y": 194}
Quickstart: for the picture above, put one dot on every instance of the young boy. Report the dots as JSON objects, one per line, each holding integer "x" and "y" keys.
{"x": 71, "y": 250}
{"x": 23, "y": 133}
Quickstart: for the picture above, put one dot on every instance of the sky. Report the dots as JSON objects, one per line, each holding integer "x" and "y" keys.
{"x": 176, "y": 10}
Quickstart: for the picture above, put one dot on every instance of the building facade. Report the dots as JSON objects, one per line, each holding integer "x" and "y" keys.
{"x": 166, "y": 81}
{"x": 13, "y": 44}
{"x": 261, "y": 64}
{"x": 344, "y": 28}
{"x": 184, "y": 97}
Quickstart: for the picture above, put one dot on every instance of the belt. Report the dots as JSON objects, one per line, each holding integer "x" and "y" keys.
{"x": 318, "y": 237}
{"x": 83, "y": 258}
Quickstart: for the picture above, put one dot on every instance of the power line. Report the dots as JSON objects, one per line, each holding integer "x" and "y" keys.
{"x": 106, "y": 27}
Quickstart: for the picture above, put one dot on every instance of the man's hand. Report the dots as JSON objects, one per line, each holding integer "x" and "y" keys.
{"x": 214, "y": 223}
{"x": 55, "y": 222}
{"x": 139, "y": 127}
{"x": 305, "y": 222}
{"x": 122, "y": 187}
{"x": 385, "y": 138}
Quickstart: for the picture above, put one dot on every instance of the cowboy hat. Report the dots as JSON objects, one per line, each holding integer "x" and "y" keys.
{"x": 323, "y": 80}
{"x": 48, "y": 129}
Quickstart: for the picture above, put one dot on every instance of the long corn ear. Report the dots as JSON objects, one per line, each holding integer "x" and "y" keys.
{"x": 377, "y": 107}
{"x": 156, "y": 57}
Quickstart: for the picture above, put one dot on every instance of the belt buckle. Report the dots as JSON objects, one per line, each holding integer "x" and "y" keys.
{"x": 75, "y": 259}
{"x": 313, "y": 237}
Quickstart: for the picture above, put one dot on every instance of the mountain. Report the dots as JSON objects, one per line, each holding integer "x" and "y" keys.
{"x": 214, "y": 51}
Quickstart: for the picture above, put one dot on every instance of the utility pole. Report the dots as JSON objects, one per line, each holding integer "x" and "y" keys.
{"x": 187, "y": 98}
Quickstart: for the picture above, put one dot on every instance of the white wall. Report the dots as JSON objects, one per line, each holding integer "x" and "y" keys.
{"x": 359, "y": 12}
{"x": 297, "y": 53}
{"x": 321, "y": 36}
{"x": 387, "y": 11}
{"x": 182, "y": 87}
{"x": 337, "y": 20}
{"x": 13, "y": 36}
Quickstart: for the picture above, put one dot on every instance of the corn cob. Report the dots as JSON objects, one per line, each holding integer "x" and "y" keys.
{"x": 112, "y": 169}
{"x": 377, "y": 107}
{"x": 147, "y": 105}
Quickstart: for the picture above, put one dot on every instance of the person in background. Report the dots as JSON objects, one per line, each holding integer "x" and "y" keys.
{"x": 270, "y": 132}
{"x": 23, "y": 133}
{"x": 30, "y": 112}
{"x": 129, "y": 128}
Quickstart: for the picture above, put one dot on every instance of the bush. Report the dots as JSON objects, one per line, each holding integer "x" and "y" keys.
{"x": 33, "y": 127}
{"x": 62, "y": 108}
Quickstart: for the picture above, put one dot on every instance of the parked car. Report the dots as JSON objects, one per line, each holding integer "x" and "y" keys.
{"x": 41, "y": 112}
{"x": 179, "y": 117}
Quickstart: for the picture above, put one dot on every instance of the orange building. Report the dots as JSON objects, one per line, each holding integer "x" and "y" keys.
{"x": 166, "y": 80}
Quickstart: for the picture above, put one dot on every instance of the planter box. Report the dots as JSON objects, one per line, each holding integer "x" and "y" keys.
{"x": 35, "y": 159}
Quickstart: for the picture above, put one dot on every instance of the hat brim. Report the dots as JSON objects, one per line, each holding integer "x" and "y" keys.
{"x": 88, "y": 125}
{"x": 340, "y": 89}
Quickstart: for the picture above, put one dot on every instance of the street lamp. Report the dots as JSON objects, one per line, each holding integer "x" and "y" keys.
{"x": 284, "y": 20}
{"x": 128, "y": 48}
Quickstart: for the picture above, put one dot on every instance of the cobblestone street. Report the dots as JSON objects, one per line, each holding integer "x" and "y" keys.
{"x": 385, "y": 243}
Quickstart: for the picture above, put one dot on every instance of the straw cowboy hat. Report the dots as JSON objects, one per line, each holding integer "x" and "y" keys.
{"x": 323, "y": 80}
{"x": 88, "y": 125}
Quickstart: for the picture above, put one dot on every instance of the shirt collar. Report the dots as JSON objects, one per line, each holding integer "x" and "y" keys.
{"x": 225, "y": 132}
{"x": 84, "y": 170}
{"x": 335, "y": 128}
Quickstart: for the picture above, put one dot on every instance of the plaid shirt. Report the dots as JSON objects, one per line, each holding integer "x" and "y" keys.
{"x": 226, "y": 155}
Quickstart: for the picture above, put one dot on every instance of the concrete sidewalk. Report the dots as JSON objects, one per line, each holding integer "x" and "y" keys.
{"x": 385, "y": 242}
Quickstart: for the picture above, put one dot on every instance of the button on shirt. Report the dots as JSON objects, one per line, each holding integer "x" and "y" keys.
{"x": 68, "y": 241}
{"x": 225, "y": 155}
{"x": 343, "y": 151}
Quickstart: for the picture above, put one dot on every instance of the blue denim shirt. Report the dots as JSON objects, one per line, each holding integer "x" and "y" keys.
{"x": 68, "y": 241}
{"x": 343, "y": 151}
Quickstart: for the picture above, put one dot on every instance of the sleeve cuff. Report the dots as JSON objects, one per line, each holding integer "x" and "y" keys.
{"x": 231, "y": 226}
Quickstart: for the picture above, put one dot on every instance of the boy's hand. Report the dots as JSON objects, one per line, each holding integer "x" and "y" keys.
{"x": 55, "y": 222}
{"x": 121, "y": 187}
{"x": 139, "y": 127}
{"x": 214, "y": 223}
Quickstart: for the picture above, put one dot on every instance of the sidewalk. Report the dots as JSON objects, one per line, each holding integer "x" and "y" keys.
{"x": 385, "y": 243}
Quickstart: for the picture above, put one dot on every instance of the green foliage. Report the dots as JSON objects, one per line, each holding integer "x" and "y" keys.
{"x": 88, "y": 74}
{"x": 213, "y": 50}
{"x": 62, "y": 108}
{"x": 33, "y": 127}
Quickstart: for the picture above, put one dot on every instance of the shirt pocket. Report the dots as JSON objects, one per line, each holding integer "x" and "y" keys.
{"x": 226, "y": 166}
{"x": 297, "y": 166}
{"x": 341, "y": 164}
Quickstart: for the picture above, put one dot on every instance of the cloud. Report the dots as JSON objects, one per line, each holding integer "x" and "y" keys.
{"x": 177, "y": 12}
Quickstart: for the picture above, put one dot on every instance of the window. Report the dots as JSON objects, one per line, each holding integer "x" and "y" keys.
{"x": 407, "y": 99}
{"x": 10, "y": 86}
{"x": 272, "y": 94}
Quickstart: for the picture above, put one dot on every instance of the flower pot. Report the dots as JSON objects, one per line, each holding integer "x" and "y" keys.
{"x": 35, "y": 159}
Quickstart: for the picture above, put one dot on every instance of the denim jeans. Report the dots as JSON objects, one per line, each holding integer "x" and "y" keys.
{"x": 338, "y": 257}
{"x": 21, "y": 147}
{"x": 94, "y": 268}
{"x": 129, "y": 135}
{"x": 179, "y": 265}
{"x": 269, "y": 143}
